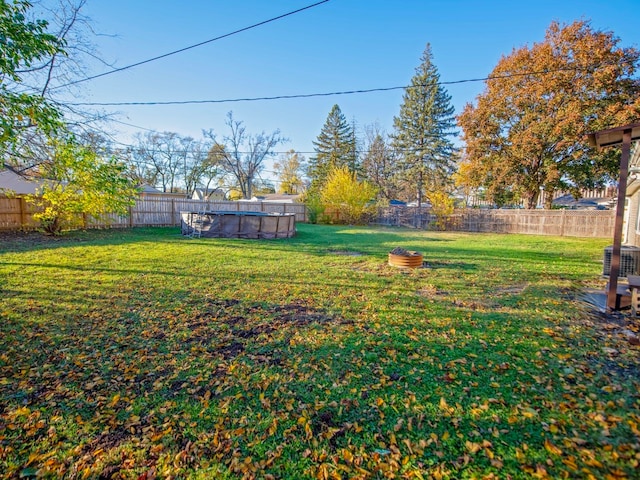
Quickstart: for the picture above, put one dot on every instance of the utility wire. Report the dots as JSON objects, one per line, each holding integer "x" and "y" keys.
{"x": 322, "y": 94}
{"x": 132, "y": 125}
{"x": 184, "y": 49}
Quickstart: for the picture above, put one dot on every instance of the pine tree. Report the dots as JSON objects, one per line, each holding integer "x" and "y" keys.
{"x": 423, "y": 130}
{"x": 334, "y": 147}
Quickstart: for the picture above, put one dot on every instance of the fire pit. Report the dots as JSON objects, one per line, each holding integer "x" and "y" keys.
{"x": 400, "y": 257}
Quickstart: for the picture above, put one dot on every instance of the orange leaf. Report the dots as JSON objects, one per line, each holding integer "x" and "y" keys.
{"x": 551, "y": 448}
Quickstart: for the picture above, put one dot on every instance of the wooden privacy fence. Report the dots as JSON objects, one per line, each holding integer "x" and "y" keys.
{"x": 570, "y": 223}
{"x": 16, "y": 213}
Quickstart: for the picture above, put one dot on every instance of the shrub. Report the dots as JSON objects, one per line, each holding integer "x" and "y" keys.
{"x": 80, "y": 184}
{"x": 442, "y": 206}
{"x": 347, "y": 198}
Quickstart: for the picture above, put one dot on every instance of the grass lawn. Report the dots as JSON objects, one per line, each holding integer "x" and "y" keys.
{"x": 141, "y": 354}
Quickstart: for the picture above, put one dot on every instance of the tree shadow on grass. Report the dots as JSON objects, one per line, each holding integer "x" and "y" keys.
{"x": 444, "y": 264}
{"x": 33, "y": 241}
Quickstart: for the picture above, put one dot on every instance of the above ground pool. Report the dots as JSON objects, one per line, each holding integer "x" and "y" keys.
{"x": 238, "y": 224}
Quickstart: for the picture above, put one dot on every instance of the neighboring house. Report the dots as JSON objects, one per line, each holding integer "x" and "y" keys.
{"x": 14, "y": 183}
{"x": 631, "y": 227}
{"x": 147, "y": 191}
{"x": 595, "y": 203}
{"x": 211, "y": 194}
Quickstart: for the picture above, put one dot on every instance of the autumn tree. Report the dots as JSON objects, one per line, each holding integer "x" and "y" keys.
{"x": 80, "y": 184}
{"x": 241, "y": 155}
{"x": 288, "y": 169}
{"x": 23, "y": 43}
{"x": 423, "y": 130}
{"x": 526, "y": 131}
{"x": 334, "y": 147}
{"x": 263, "y": 187}
{"x": 348, "y": 198}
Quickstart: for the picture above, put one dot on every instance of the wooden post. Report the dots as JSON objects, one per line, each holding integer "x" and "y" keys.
{"x": 130, "y": 216}
{"x": 173, "y": 211}
{"x": 23, "y": 213}
{"x": 617, "y": 232}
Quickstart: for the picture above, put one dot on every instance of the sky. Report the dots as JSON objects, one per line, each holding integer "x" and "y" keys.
{"x": 337, "y": 46}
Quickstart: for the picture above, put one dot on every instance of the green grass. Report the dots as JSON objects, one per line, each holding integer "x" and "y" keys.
{"x": 139, "y": 352}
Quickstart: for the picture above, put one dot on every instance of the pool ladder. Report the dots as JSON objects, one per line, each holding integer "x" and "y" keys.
{"x": 197, "y": 224}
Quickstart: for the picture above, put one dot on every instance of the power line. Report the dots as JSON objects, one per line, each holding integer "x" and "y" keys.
{"x": 321, "y": 94}
{"x": 132, "y": 125}
{"x": 153, "y": 151}
{"x": 184, "y": 49}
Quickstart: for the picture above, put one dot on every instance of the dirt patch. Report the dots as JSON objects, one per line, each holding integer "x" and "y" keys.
{"x": 109, "y": 472}
{"x": 231, "y": 351}
{"x": 228, "y": 328}
{"x": 22, "y": 240}
{"x": 300, "y": 314}
{"x": 107, "y": 441}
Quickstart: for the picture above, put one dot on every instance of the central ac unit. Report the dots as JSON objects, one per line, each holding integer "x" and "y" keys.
{"x": 629, "y": 260}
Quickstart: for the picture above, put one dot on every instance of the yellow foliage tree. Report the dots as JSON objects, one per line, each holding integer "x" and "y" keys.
{"x": 442, "y": 205}
{"x": 349, "y": 199}
{"x": 80, "y": 185}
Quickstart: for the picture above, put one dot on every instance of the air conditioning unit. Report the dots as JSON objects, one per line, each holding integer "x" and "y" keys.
{"x": 629, "y": 260}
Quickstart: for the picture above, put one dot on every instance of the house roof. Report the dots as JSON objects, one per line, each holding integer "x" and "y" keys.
{"x": 16, "y": 183}
{"x": 149, "y": 189}
{"x": 598, "y": 203}
{"x": 209, "y": 190}
{"x": 280, "y": 197}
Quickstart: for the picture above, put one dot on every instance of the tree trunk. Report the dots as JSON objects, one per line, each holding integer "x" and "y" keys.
{"x": 419, "y": 218}
{"x": 548, "y": 199}
{"x": 532, "y": 199}
{"x": 249, "y": 189}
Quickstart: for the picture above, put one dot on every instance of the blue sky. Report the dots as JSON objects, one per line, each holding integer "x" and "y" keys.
{"x": 337, "y": 46}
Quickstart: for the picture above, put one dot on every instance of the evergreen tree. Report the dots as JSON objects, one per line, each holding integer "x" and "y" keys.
{"x": 334, "y": 147}
{"x": 423, "y": 130}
